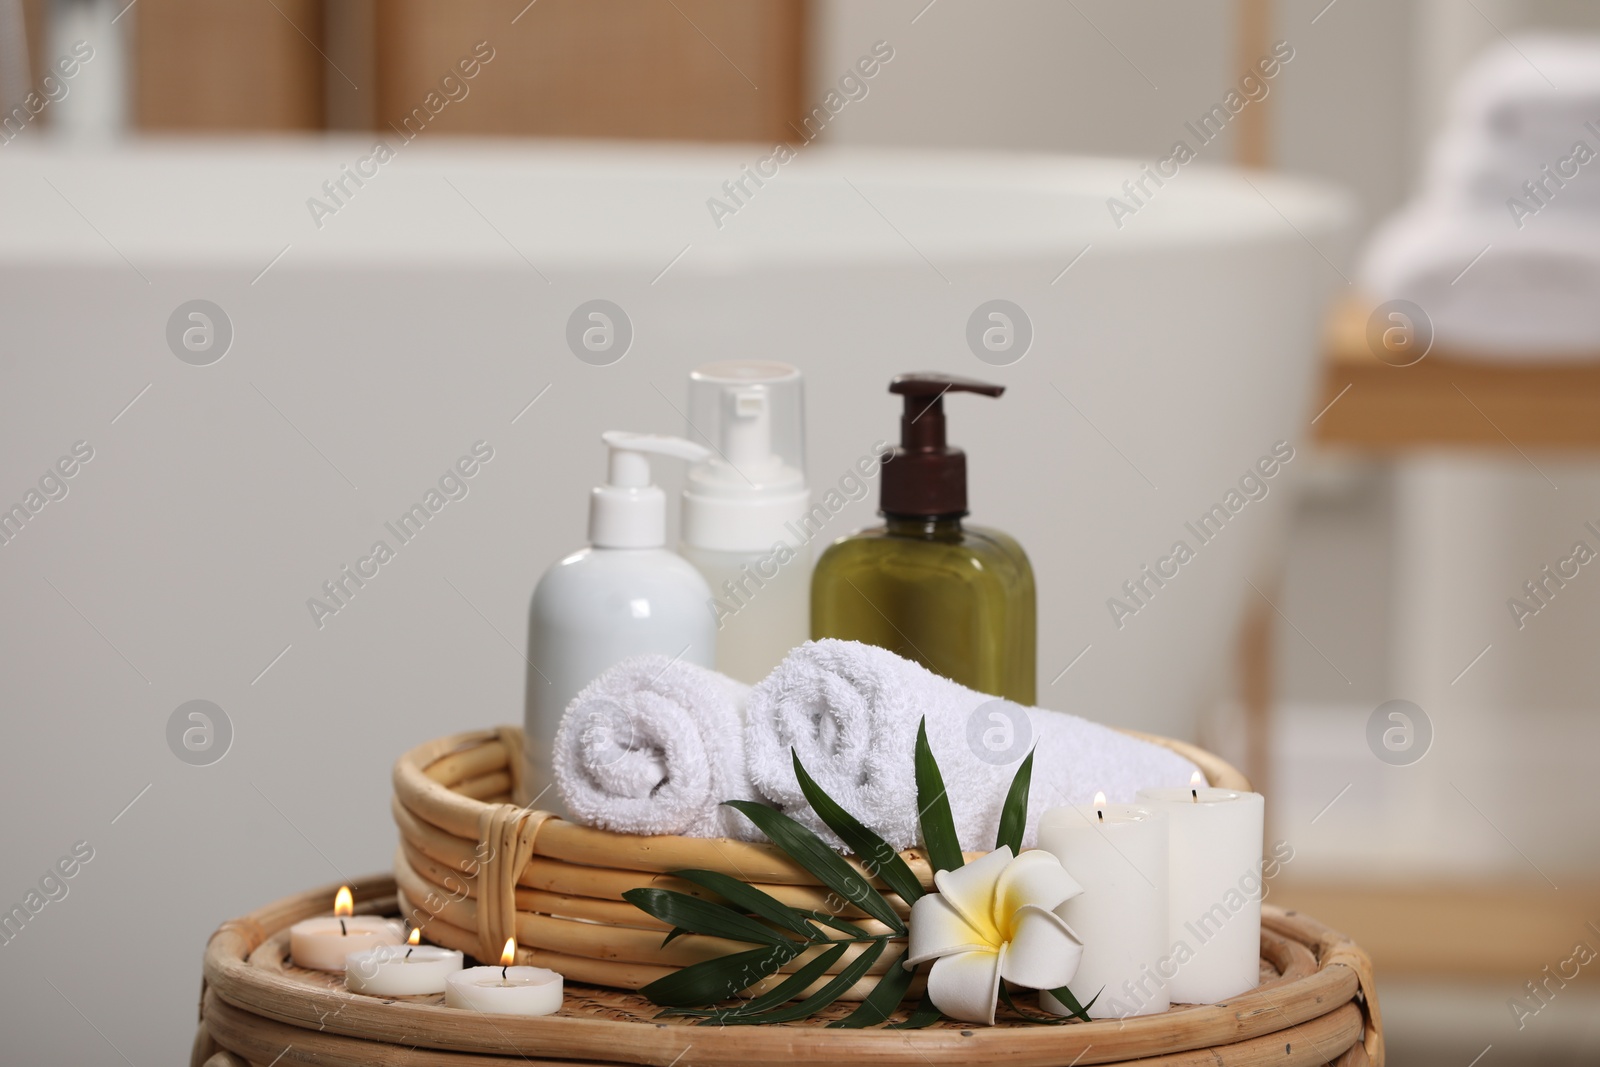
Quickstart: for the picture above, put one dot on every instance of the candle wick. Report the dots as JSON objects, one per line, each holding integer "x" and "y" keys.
{"x": 503, "y": 977}
{"x": 1100, "y": 813}
{"x": 1195, "y": 795}
{"x": 409, "y": 951}
{"x": 342, "y": 931}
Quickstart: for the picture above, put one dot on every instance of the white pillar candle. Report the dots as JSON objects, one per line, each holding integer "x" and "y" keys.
{"x": 505, "y": 990}
{"x": 1118, "y": 853}
{"x": 1216, "y": 837}
{"x": 322, "y": 944}
{"x": 400, "y": 970}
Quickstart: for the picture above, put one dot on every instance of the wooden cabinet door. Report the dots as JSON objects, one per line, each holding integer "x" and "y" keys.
{"x": 712, "y": 70}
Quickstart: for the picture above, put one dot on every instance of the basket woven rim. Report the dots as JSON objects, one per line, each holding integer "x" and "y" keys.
{"x": 1320, "y": 1009}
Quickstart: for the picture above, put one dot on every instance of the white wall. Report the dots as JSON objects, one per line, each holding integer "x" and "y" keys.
{"x": 1110, "y": 78}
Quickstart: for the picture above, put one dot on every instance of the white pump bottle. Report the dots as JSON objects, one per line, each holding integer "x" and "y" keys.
{"x": 626, "y": 595}
{"x": 744, "y": 511}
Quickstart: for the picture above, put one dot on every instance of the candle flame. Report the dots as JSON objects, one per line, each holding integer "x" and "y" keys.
{"x": 1099, "y": 800}
{"x": 415, "y": 937}
{"x": 1197, "y": 780}
{"x": 343, "y": 902}
{"x": 509, "y": 956}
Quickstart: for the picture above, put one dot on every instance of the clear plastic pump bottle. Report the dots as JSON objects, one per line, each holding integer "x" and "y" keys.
{"x": 739, "y": 506}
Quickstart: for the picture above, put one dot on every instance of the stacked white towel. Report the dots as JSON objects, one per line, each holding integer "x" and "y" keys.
{"x": 654, "y": 746}
{"x": 851, "y": 712}
{"x": 1512, "y": 191}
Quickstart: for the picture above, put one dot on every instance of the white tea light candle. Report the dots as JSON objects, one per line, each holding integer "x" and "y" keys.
{"x": 408, "y": 970}
{"x": 505, "y": 990}
{"x": 1215, "y": 841}
{"x": 322, "y": 944}
{"x": 1118, "y": 853}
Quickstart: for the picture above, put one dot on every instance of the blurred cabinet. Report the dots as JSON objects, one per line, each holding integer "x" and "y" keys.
{"x": 706, "y": 70}
{"x": 711, "y": 70}
{"x": 225, "y": 65}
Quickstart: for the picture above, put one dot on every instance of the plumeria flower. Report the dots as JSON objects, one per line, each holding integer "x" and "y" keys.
{"x": 991, "y": 921}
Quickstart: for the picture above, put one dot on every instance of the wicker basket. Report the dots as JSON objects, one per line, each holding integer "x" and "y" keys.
{"x": 473, "y": 870}
{"x": 258, "y": 1009}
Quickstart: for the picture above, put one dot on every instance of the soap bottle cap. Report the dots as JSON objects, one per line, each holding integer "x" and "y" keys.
{"x": 630, "y": 511}
{"x": 925, "y": 477}
{"x": 752, "y": 481}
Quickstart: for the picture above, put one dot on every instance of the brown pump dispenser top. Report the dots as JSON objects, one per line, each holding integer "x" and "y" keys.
{"x": 925, "y": 477}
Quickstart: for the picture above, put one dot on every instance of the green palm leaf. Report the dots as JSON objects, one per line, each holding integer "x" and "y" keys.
{"x": 743, "y": 912}
{"x": 781, "y": 993}
{"x": 1014, "y": 813}
{"x": 849, "y": 929}
{"x": 1064, "y": 995}
{"x": 882, "y": 1001}
{"x": 821, "y": 998}
{"x": 718, "y": 979}
{"x": 702, "y": 916}
{"x": 1070, "y": 1002}
{"x": 938, "y": 825}
{"x": 809, "y": 850}
{"x": 873, "y": 851}
{"x": 925, "y": 1015}
{"x": 750, "y": 899}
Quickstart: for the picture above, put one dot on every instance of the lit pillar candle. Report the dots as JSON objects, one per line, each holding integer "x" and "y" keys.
{"x": 322, "y": 944}
{"x": 505, "y": 990}
{"x": 1118, "y": 853}
{"x": 1214, "y": 922}
{"x": 408, "y": 970}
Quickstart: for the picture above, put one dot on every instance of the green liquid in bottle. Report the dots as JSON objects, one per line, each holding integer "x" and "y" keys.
{"x": 957, "y": 599}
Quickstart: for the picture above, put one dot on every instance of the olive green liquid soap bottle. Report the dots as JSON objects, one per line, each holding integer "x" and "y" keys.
{"x": 956, "y": 598}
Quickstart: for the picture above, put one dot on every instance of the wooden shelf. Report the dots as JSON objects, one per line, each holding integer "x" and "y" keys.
{"x": 1450, "y": 400}
{"x": 1452, "y": 930}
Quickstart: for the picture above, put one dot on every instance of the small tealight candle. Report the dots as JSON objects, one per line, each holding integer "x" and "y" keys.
{"x": 505, "y": 990}
{"x": 322, "y": 944}
{"x": 408, "y": 970}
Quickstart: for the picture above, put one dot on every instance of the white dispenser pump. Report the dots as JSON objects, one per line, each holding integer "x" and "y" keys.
{"x": 630, "y": 511}
{"x": 748, "y": 434}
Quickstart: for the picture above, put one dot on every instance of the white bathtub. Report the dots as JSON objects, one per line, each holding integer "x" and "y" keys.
{"x": 424, "y": 315}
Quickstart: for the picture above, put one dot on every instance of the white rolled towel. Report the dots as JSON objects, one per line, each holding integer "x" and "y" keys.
{"x": 851, "y": 711}
{"x": 654, "y": 746}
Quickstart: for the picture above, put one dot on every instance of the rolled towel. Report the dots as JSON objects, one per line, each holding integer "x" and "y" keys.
{"x": 851, "y": 710}
{"x": 654, "y": 746}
